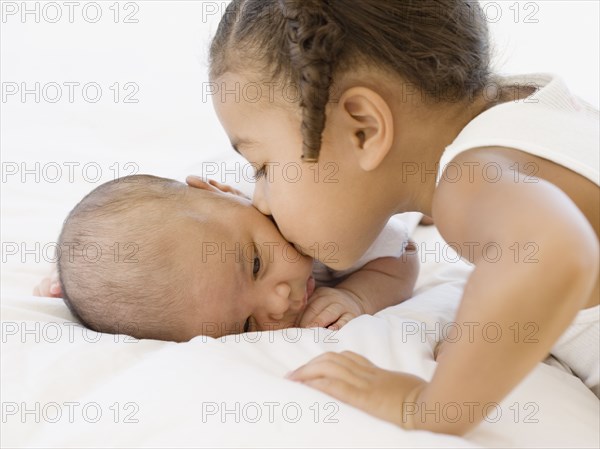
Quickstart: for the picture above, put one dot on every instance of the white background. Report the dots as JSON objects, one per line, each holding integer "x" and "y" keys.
{"x": 169, "y": 132}
{"x": 172, "y": 128}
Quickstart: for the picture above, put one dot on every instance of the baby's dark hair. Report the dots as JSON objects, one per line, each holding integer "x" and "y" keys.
{"x": 439, "y": 46}
{"x": 116, "y": 267}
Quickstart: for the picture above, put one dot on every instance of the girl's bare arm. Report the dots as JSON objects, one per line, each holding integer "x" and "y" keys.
{"x": 536, "y": 264}
{"x": 507, "y": 296}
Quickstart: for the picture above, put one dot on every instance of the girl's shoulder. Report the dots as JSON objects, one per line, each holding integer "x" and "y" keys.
{"x": 544, "y": 119}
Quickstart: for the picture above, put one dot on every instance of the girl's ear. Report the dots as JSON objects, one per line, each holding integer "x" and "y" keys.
{"x": 369, "y": 118}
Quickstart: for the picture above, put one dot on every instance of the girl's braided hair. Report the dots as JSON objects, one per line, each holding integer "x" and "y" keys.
{"x": 441, "y": 47}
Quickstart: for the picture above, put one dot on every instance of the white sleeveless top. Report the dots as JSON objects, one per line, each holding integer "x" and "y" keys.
{"x": 552, "y": 124}
{"x": 556, "y": 125}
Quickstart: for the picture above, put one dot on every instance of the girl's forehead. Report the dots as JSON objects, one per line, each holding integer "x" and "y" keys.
{"x": 253, "y": 89}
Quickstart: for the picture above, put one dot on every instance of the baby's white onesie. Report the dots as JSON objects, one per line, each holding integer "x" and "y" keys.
{"x": 391, "y": 242}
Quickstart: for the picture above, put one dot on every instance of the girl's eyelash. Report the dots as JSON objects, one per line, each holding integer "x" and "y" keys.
{"x": 260, "y": 173}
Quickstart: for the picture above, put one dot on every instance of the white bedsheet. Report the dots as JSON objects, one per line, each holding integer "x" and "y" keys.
{"x": 57, "y": 377}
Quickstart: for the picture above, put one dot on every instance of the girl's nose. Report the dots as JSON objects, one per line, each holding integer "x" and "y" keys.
{"x": 258, "y": 200}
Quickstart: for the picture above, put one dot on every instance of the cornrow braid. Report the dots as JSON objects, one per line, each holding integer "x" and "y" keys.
{"x": 315, "y": 40}
{"x": 439, "y": 47}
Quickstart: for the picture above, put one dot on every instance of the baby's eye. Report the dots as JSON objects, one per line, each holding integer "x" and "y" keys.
{"x": 260, "y": 173}
{"x": 256, "y": 265}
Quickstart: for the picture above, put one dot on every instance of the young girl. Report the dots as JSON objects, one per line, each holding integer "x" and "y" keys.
{"x": 396, "y": 110}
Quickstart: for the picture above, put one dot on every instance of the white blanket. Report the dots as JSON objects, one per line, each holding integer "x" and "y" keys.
{"x": 64, "y": 386}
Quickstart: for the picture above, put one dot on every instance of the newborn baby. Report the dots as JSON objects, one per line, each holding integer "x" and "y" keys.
{"x": 155, "y": 258}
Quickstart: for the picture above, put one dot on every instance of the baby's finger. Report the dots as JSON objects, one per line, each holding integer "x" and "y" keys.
{"x": 342, "y": 321}
{"x": 227, "y": 188}
{"x": 43, "y": 288}
{"x": 195, "y": 181}
{"x": 330, "y": 314}
{"x": 313, "y": 309}
{"x": 55, "y": 289}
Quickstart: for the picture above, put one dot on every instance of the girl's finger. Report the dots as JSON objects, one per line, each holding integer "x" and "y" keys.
{"x": 336, "y": 388}
{"x": 358, "y": 359}
{"x": 335, "y": 365}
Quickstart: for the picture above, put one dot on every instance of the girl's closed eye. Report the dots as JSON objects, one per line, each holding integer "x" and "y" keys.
{"x": 261, "y": 172}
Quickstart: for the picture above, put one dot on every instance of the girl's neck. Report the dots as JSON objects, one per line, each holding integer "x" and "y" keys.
{"x": 443, "y": 126}
{"x": 427, "y": 133}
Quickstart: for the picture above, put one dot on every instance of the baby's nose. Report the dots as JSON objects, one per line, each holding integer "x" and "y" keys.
{"x": 283, "y": 290}
{"x": 280, "y": 302}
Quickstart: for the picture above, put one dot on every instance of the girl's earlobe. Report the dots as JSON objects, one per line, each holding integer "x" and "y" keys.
{"x": 372, "y": 124}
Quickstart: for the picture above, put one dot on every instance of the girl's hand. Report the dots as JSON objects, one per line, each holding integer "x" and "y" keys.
{"x": 49, "y": 286}
{"x": 352, "y": 379}
{"x": 332, "y": 308}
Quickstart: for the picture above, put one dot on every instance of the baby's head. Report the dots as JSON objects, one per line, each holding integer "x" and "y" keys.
{"x": 155, "y": 258}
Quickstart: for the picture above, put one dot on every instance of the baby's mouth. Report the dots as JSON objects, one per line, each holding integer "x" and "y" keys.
{"x": 310, "y": 288}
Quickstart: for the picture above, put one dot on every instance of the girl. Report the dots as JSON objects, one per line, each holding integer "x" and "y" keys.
{"x": 397, "y": 111}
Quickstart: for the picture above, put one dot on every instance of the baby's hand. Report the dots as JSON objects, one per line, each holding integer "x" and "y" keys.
{"x": 331, "y": 308}
{"x": 49, "y": 286}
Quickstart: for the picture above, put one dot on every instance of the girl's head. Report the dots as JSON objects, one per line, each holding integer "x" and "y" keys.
{"x": 341, "y": 82}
